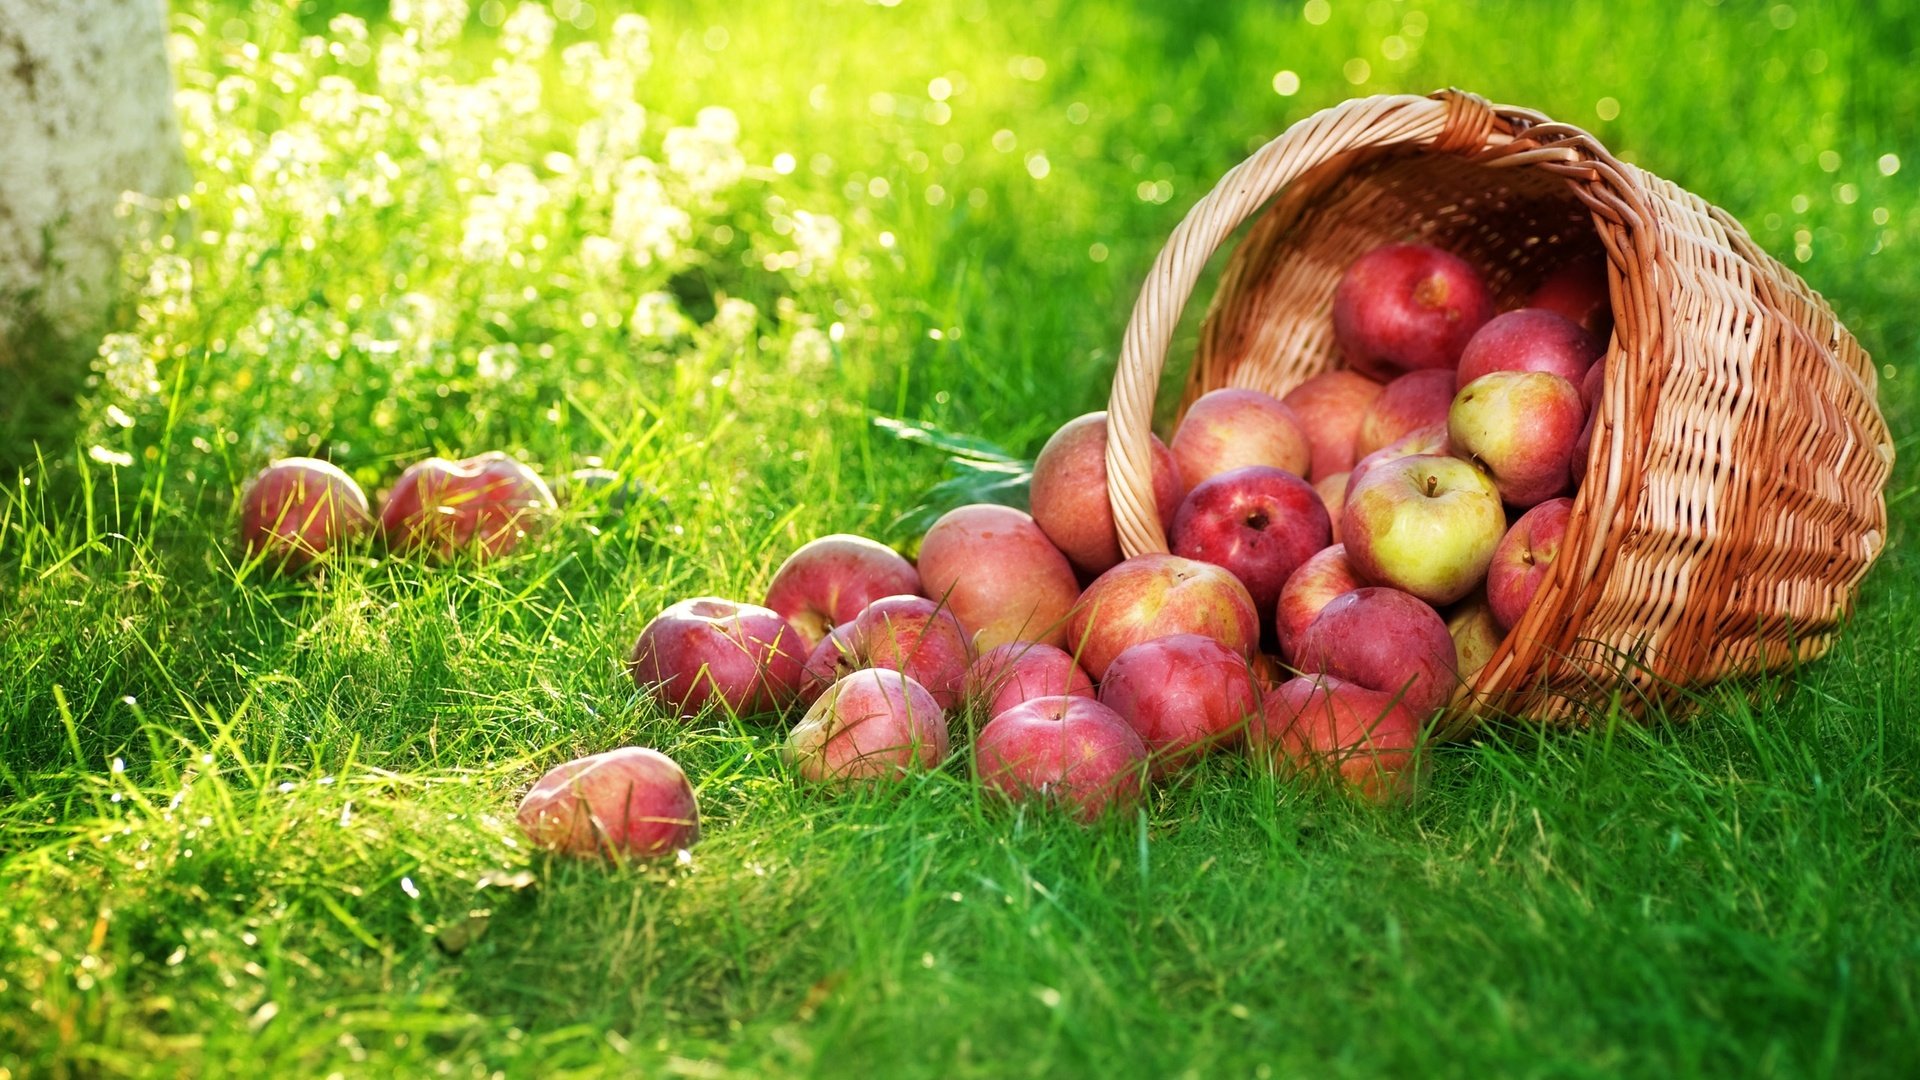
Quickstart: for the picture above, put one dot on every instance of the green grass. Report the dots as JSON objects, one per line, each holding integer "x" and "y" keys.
{"x": 237, "y": 813}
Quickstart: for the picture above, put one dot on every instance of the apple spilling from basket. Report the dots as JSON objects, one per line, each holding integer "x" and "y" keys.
{"x": 1343, "y": 558}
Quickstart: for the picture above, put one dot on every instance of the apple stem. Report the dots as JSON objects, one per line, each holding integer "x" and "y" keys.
{"x": 1433, "y": 486}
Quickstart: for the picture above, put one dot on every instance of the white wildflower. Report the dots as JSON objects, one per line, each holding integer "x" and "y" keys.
{"x": 656, "y": 317}
{"x": 633, "y": 42}
{"x": 438, "y": 22}
{"x": 735, "y": 320}
{"x": 651, "y": 228}
{"x": 528, "y": 32}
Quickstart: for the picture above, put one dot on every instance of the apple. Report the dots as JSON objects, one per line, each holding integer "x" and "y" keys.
{"x": 1308, "y": 590}
{"x": 1183, "y": 693}
{"x": 911, "y": 634}
{"x": 1019, "y": 671}
{"x": 1072, "y": 751}
{"x": 1257, "y": 522}
{"x": 1332, "y": 490}
{"x": 1592, "y": 384}
{"x": 875, "y": 724}
{"x": 1425, "y": 524}
{"x": 1153, "y": 596}
{"x": 1322, "y": 724}
{"x": 1578, "y": 291}
{"x": 1069, "y": 493}
{"x": 829, "y": 662}
{"x": 481, "y": 505}
{"x": 830, "y": 581}
{"x": 299, "y": 510}
{"x": 1329, "y": 407}
{"x": 709, "y": 650}
{"x": 999, "y": 575}
{"x": 1582, "y": 450}
{"x": 1476, "y": 634}
{"x": 628, "y": 802}
{"x": 1231, "y": 429}
{"x": 1524, "y": 558}
{"x": 1521, "y": 426}
{"x": 1416, "y": 400}
{"x": 1407, "y": 307}
{"x": 1385, "y": 640}
{"x": 1530, "y": 339}
{"x": 1427, "y": 440}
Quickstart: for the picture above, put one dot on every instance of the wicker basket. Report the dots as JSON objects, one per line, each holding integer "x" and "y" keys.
{"x": 1733, "y": 497}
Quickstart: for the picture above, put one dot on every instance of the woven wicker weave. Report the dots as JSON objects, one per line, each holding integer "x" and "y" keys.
{"x": 1733, "y": 497}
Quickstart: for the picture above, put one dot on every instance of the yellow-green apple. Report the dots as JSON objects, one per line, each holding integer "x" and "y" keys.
{"x": 300, "y": 510}
{"x": 1018, "y": 671}
{"x": 1307, "y": 590}
{"x": 875, "y": 724}
{"x": 1476, "y": 634}
{"x": 1320, "y": 724}
{"x": 1233, "y": 428}
{"x": 1330, "y": 406}
{"x": 1418, "y": 399}
{"x": 999, "y": 575}
{"x": 630, "y": 802}
{"x": 483, "y": 506}
{"x": 708, "y": 650}
{"x": 1332, "y": 490}
{"x": 1069, "y": 493}
{"x": 1152, "y": 596}
{"x": 1405, "y": 307}
{"x": 1257, "y": 522}
{"x": 1521, "y": 426}
{"x": 1069, "y": 751}
{"x": 830, "y": 581}
{"x": 1524, "y": 559}
{"x": 1184, "y": 694}
{"x": 1530, "y": 339}
{"x": 1385, "y": 640}
{"x": 911, "y": 634}
{"x": 1425, "y": 524}
{"x": 1431, "y": 439}
{"x": 1578, "y": 291}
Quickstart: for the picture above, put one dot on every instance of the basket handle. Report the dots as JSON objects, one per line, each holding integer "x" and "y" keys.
{"x": 1450, "y": 121}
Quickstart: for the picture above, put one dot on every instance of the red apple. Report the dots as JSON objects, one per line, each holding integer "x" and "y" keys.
{"x": 1069, "y": 493}
{"x": 829, "y": 662}
{"x": 1582, "y": 450}
{"x": 1521, "y": 426}
{"x": 1578, "y": 291}
{"x": 1231, "y": 429}
{"x": 999, "y": 575}
{"x": 482, "y": 505}
{"x": 1427, "y": 440}
{"x": 1184, "y": 694}
{"x": 1330, "y": 406}
{"x": 1416, "y": 400}
{"x": 1524, "y": 558}
{"x": 1592, "y": 384}
{"x": 1405, "y": 307}
{"x": 830, "y": 581}
{"x": 1259, "y": 523}
{"x": 875, "y": 724}
{"x": 299, "y": 510}
{"x": 1153, "y": 596}
{"x": 1425, "y": 524}
{"x": 1020, "y": 671}
{"x": 1476, "y": 634}
{"x": 1385, "y": 640}
{"x": 901, "y": 633}
{"x": 1321, "y": 724}
{"x": 629, "y": 802}
{"x": 1332, "y": 490}
{"x": 1069, "y": 750}
{"x": 708, "y": 650}
{"x": 1530, "y": 339}
{"x": 1307, "y": 591}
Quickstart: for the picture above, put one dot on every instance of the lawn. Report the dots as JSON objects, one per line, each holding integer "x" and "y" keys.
{"x": 250, "y": 824}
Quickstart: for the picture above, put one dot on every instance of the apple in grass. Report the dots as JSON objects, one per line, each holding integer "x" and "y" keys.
{"x": 1407, "y": 307}
{"x": 1020, "y": 671}
{"x": 999, "y": 575}
{"x": 1425, "y": 525}
{"x": 1521, "y": 426}
{"x": 1153, "y": 596}
{"x": 1530, "y": 339}
{"x": 1324, "y": 725}
{"x": 483, "y": 506}
{"x": 711, "y": 651}
{"x": 1385, "y": 640}
{"x": 1524, "y": 558}
{"x": 1307, "y": 591}
{"x": 1258, "y": 523}
{"x": 1183, "y": 693}
{"x": 1070, "y": 751}
{"x": 1069, "y": 493}
{"x": 1231, "y": 429}
{"x": 1416, "y": 400}
{"x": 298, "y": 511}
{"x": 911, "y": 634}
{"x": 874, "y": 724}
{"x": 628, "y": 802}
{"x": 1578, "y": 291}
{"x": 828, "y": 582}
{"x": 1330, "y": 407}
